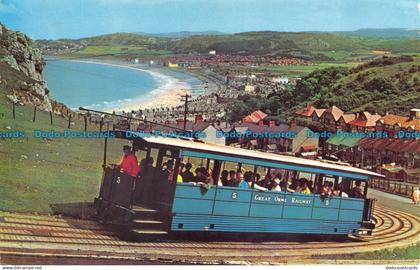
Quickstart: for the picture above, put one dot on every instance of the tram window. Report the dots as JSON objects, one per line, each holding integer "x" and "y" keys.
{"x": 262, "y": 171}
{"x": 140, "y": 154}
{"x": 195, "y": 162}
{"x": 247, "y": 167}
{"x": 165, "y": 162}
{"x": 230, "y": 166}
{"x": 304, "y": 175}
{"x": 199, "y": 163}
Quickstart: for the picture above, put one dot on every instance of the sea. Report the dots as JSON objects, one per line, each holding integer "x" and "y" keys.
{"x": 110, "y": 87}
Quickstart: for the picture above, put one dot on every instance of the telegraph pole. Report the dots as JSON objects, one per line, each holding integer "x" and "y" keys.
{"x": 185, "y": 99}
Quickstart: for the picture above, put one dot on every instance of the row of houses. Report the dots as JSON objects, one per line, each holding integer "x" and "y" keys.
{"x": 374, "y": 152}
{"x": 212, "y": 59}
{"x": 336, "y": 119}
{"x": 259, "y": 131}
{"x": 255, "y": 131}
{"x": 371, "y": 152}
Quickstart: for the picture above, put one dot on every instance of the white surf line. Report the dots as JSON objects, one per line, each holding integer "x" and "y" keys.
{"x": 150, "y": 99}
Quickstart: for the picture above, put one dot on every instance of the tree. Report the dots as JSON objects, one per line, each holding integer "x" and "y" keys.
{"x": 237, "y": 111}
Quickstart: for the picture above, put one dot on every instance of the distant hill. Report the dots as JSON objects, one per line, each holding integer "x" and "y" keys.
{"x": 312, "y": 46}
{"x": 121, "y": 39}
{"x": 298, "y": 43}
{"x": 109, "y": 44}
{"x": 181, "y": 34}
{"x": 384, "y": 33}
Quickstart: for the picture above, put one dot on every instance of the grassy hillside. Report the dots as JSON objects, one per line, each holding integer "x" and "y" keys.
{"x": 304, "y": 43}
{"x": 40, "y": 175}
{"x": 387, "y": 84}
{"x": 116, "y": 51}
{"x": 122, "y": 39}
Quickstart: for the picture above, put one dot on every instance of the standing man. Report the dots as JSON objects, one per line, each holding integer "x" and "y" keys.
{"x": 128, "y": 163}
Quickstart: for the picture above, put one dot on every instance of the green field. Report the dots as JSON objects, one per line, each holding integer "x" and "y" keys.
{"x": 292, "y": 71}
{"x": 117, "y": 50}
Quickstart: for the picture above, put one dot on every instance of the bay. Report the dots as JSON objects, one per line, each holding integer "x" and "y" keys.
{"x": 94, "y": 85}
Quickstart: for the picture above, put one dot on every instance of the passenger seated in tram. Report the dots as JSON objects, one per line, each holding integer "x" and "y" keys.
{"x": 240, "y": 180}
{"x": 257, "y": 179}
{"x": 338, "y": 192}
{"x": 256, "y": 185}
{"x": 232, "y": 178}
{"x": 311, "y": 186}
{"x": 327, "y": 187}
{"x": 298, "y": 185}
{"x": 247, "y": 181}
{"x": 294, "y": 184}
{"x": 357, "y": 190}
{"x": 286, "y": 186}
{"x": 181, "y": 167}
{"x": 326, "y": 190}
{"x": 267, "y": 179}
{"x": 200, "y": 176}
{"x": 304, "y": 189}
{"x": 187, "y": 175}
{"x": 209, "y": 177}
{"x": 128, "y": 164}
{"x": 224, "y": 178}
{"x": 275, "y": 184}
{"x": 277, "y": 176}
{"x": 179, "y": 178}
{"x": 261, "y": 182}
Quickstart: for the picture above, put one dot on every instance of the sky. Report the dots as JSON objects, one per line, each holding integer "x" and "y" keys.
{"x": 53, "y": 19}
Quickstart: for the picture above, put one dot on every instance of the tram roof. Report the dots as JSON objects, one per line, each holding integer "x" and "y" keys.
{"x": 188, "y": 147}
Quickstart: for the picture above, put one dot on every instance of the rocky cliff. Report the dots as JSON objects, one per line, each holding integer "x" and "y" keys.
{"x": 21, "y": 68}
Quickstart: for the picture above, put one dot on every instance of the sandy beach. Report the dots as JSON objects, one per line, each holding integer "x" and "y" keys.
{"x": 167, "y": 94}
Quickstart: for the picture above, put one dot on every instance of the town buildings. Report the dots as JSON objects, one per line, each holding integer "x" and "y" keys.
{"x": 368, "y": 140}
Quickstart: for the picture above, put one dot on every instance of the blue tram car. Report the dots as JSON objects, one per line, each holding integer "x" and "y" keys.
{"x": 152, "y": 204}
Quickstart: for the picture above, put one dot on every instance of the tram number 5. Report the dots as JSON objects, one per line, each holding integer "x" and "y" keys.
{"x": 234, "y": 195}
{"x": 118, "y": 180}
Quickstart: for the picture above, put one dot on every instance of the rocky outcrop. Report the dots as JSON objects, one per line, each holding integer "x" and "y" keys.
{"x": 17, "y": 52}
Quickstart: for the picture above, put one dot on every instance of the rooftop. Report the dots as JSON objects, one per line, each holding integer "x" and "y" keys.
{"x": 335, "y": 111}
{"x": 306, "y": 111}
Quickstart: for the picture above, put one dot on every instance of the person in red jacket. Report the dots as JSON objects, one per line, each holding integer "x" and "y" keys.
{"x": 129, "y": 163}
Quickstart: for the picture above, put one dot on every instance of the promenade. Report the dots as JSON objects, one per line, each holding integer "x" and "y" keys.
{"x": 395, "y": 202}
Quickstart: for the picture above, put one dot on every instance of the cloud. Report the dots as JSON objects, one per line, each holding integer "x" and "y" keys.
{"x": 418, "y": 7}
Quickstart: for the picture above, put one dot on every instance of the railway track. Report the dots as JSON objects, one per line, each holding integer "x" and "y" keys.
{"x": 57, "y": 239}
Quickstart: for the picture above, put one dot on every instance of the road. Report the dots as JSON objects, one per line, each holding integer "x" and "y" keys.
{"x": 396, "y": 202}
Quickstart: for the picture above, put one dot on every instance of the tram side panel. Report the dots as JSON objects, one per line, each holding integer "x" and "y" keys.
{"x": 227, "y": 209}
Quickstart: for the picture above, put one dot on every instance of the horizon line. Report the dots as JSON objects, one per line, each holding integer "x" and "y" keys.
{"x": 229, "y": 33}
